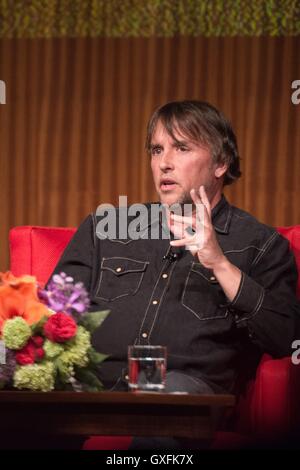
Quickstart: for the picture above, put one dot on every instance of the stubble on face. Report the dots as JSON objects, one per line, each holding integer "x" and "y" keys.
{"x": 185, "y": 198}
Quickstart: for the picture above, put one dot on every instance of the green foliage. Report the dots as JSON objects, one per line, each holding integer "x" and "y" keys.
{"x": 96, "y": 358}
{"x": 144, "y": 18}
{"x": 88, "y": 380}
{"x": 93, "y": 320}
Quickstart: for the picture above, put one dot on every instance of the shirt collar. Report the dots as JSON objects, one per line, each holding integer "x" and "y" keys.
{"x": 221, "y": 215}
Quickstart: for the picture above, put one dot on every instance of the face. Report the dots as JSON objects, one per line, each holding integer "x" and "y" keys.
{"x": 178, "y": 167}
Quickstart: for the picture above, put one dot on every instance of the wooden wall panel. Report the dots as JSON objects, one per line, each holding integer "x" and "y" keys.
{"x": 73, "y": 126}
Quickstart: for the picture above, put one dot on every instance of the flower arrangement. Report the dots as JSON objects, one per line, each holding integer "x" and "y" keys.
{"x": 45, "y": 335}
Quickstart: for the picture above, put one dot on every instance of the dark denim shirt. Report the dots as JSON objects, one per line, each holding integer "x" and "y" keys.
{"x": 178, "y": 303}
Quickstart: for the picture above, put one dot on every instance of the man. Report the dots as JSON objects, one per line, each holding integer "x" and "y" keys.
{"x": 218, "y": 295}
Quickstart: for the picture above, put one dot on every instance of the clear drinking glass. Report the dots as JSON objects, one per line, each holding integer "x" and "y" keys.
{"x": 147, "y": 368}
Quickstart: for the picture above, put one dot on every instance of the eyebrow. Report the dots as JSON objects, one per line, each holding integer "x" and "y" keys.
{"x": 182, "y": 142}
{"x": 175, "y": 142}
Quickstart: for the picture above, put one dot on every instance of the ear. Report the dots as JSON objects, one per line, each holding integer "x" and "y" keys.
{"x": 220, "y": 170}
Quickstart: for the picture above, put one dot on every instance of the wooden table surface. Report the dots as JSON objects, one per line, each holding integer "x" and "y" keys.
{"x": 111, "y": 413}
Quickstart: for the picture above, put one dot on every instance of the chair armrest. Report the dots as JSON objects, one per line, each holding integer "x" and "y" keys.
{"x": 275, "y": 397}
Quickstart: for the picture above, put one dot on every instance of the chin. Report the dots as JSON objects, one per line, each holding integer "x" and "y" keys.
{"x": 169, "y": 200}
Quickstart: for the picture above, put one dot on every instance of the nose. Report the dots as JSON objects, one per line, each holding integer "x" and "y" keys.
{"x": 167, "y": 161}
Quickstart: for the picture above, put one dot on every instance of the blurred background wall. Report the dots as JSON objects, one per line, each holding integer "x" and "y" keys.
{"x": 83, "y": 77}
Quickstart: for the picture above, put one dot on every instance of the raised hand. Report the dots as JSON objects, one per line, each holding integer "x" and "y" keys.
{"x": 196, "y": 231}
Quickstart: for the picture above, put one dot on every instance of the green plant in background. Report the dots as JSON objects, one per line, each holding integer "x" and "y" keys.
{"x": 145, "y": 18}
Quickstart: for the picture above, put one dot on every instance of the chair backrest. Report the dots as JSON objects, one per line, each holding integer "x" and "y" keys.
{"x": 293, "y": 235}
{"x": 36, "y": 250}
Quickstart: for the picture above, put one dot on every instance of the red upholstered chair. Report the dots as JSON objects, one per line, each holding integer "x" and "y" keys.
{"x": 270, "y": 406}
{"x": 36, "y": 250}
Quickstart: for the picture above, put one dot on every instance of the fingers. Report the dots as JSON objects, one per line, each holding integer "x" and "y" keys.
{"x": 202, "y": 203}
{"x": 186, "y": 227}
{"x": 186, "y": 220}
{"x": 205, "y": 200}
{"x": 178, "y": 231}
{"x": 190, "y": 244}
{"x": 168, "y": 214}
{"x": 195, "y": 197}
{"x": 181, "y": 242}
{"x": 187, "y": 233}
{"x": 182, "y": 227}
{"x": 189, "y": 230}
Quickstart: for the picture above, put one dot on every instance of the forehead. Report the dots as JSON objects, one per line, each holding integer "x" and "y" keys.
{"x": 161, "y": 132}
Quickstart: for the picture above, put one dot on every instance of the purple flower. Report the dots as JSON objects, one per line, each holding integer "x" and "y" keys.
{"x": 63, "y": 295}
{"x": 7, "y": 370}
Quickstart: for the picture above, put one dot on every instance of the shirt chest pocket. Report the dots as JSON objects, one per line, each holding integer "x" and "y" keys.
{"x": 202, "y": 294}
{"x": 120, "y": 277}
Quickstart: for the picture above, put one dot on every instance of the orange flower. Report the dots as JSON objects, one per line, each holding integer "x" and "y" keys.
{"x": 18, "y": 297}
{"x": 10, "y": 279}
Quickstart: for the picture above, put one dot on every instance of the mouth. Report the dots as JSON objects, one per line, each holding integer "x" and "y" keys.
{"x": 167, "y": 184}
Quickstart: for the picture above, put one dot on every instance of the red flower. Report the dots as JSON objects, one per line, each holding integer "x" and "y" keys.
{"x": 60, "y": 327}
{"x": 32, "y": 352}
{"x": 38, "y": 340}
{"x": 39, "y": 354}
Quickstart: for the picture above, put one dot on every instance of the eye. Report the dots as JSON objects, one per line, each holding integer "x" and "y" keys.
{"x": 156, "y": 150}
{"x": 182, "y": 148}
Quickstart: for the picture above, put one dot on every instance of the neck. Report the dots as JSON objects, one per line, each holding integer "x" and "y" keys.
{"x": 215, "y": 198}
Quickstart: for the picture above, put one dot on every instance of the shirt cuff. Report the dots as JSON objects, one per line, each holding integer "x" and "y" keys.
{"x": 248, "y": 299}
